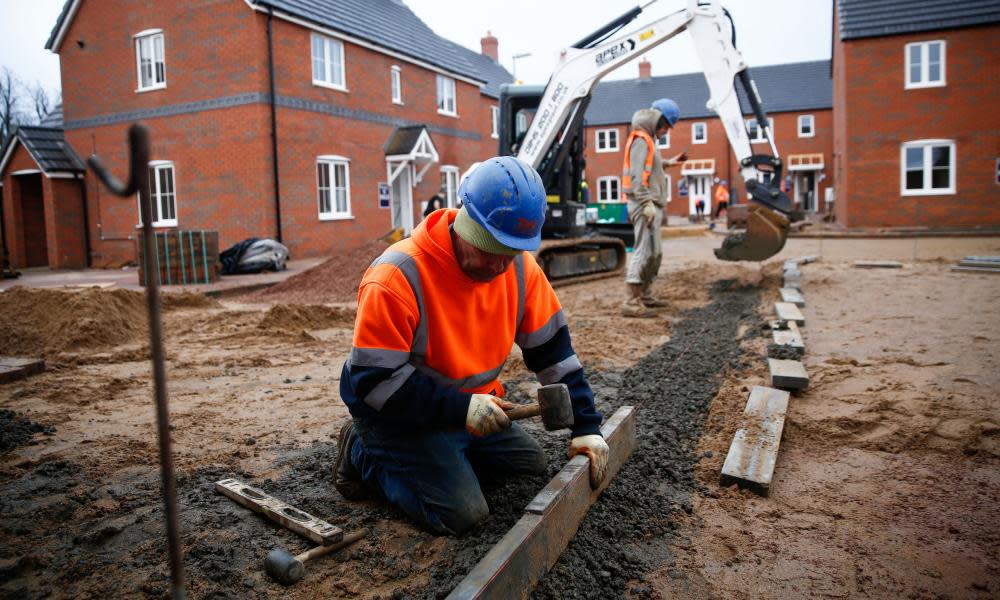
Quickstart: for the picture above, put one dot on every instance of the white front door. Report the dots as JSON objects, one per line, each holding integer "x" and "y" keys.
{"x": 699, "y": 186}
{"x": 401, "y": 190}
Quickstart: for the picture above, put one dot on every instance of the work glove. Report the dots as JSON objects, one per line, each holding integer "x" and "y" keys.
{"x": 596, "y": 449}
{"x": 649, "y": 212}
{"x": 486, "y": 415}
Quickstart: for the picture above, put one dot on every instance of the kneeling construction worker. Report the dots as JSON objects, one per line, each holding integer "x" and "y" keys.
{"x": 438, "y": 314}
{"x": 646, "y": 189}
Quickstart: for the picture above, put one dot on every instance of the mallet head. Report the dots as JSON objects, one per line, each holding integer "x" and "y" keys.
{"x": 556, "y": 408}
{"x": 283, "y": 567}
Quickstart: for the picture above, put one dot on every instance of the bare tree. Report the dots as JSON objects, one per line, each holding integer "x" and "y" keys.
{"x": 40, "y": 101}
{"x": 8, "y": 103}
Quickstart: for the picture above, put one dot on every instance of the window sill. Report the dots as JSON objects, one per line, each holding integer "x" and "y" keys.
{"x": 606, "y": 150}
{"x": 151, "y": 88}
{"x": 160, "y": 224}
{"x": 336, "y": 217}
{"x": 807, "y": 135}
{"x": 330, "y": 86}
{"x": 943, "y": 192}
{"x": 699, "y": 141}
{"x": 399, "y": 102}
{"x": 919, "y": 86}
{"x": 453, "y": 115}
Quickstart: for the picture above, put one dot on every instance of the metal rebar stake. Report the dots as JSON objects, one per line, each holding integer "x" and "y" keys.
{"x": 138, "y": 142}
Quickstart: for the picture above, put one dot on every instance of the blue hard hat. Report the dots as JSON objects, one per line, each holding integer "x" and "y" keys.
{"x": 669, "y": 109}
{"x": 506, "y": 196}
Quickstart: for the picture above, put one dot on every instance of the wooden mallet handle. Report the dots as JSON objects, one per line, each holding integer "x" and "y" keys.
{"x": 347, "y": 540}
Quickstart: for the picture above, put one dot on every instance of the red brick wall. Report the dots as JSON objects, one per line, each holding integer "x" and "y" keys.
{"x": 64, "y": 223}
{"x": 601, "y": 164}
{"x": 222, "y": 157}
{"x": 879, "y": 115}
{"x": 23, "y": 204}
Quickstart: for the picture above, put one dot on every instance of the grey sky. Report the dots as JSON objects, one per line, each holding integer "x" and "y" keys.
{"x": 768, "y": 32}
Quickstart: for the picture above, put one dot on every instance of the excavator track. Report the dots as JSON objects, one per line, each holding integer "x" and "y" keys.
{"x": 574, "y": 260}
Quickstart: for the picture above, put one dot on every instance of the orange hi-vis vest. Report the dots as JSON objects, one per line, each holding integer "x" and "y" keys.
{"x": 418, "y": 311}
{"x": 627, "y": 167}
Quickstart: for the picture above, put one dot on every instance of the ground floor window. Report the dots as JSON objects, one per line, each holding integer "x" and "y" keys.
{"x": 333, "y": 182}
{"x": 927, "y": 167}
{"x": 161, "y": 189}
{"x": 449, "y": 185}
{"x": 608, "y": 189}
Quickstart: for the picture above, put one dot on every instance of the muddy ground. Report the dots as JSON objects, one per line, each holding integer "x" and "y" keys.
{"x": 886, "y": 484}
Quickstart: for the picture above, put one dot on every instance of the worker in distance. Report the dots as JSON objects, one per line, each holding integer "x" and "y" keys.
{"x": 438, "y": 314}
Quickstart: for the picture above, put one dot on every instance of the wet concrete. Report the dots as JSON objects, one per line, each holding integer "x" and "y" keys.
{"x": 17, "y": 430}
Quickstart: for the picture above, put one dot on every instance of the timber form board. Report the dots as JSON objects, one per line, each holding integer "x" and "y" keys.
{"x": 513, "y": 567}
{"x": 788, "y": 374}
{"x": 14, "y": 368}
{"x": 787, "y": 311}
{"x": 792, "y": 296}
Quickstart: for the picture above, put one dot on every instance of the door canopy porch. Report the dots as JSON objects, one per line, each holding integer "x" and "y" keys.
{"x": 410, "y": 146}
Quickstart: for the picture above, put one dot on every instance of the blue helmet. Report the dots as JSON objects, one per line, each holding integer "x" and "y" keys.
{"x": 506, "y": 196}
{"x": 669, "y": 109}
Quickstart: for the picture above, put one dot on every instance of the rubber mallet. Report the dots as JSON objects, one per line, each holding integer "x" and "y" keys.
{"x": 287, "y": 569}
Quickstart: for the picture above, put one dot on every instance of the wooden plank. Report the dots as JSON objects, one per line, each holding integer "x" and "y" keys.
{"x": 995, "y": 259}
{"x": 788, "y": 338}
{"x": 807, "y": 259}
{"x": 788, "y": 374}
{"x": 289, "y": 517}
{"x": 754, "y": 451}
{"x": 792, "y": 295}
{"x": 878, "y": 264}
{"x": 987, "y": 264}
{"x": 522, "y": 557}
{"x": 13, "y": 368}
{"x": 787, "y": 311}
{"x": 791, "y": 265}
{"x": 976, "y": 269}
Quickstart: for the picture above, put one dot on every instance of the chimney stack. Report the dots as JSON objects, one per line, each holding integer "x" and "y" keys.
{"x": 645, "y": 69}
{"x": 490, "y": 47}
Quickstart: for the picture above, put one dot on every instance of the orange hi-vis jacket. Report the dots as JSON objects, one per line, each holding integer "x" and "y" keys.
{"x": 647, "y": 168}
{"x": 427, "y": 336}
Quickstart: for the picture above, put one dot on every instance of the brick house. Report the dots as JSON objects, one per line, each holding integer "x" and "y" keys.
{"x": 269, "y": 118}
{"x": 797, "y": 97}
{"x": 916, "y": 126}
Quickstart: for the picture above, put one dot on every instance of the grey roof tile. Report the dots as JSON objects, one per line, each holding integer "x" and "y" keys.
{"x": 48, "y": 147}
{"x": 783, "y": 88}
{"x": 870, "y": 18}
{"x": 402, "y": 139}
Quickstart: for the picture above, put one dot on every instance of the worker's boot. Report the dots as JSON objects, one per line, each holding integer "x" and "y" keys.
{"x": 633, "y": 307}
{"x": 346, "y": 478}
{"x": 651, "y": 301}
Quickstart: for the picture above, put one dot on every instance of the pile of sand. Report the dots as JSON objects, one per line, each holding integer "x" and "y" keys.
{"x": 335, "y": 280}
{"x": 299, "y": 317}
{"x": 43, "y": 322}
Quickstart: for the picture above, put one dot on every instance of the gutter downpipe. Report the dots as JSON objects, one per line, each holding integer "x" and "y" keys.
{"x": 86, "y": 218}
{"x": 274, "y": 122}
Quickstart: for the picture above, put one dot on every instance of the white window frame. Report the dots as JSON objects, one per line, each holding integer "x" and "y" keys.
{"x": 759, "y": 138}
{"x": 494, "y": 122}
{"x": 605, "y": 145}
{"x": 396, "y": 84}
{"x": 694, "y": 132}
{"x": 812, "y": 126}
{"x": 605, "y": 182}
{"x": 332, "y": 162}
{"x": 328, "y": 78}
{"x": 449, "y": 185}
{"x": 924, "y": 81}
{"x": 660, "y": 143}
{"x": 446, "y": 92}
{"x": 152, "y": 36}
{"x": 154, "y": 169}
{"x": 927, "y": 168}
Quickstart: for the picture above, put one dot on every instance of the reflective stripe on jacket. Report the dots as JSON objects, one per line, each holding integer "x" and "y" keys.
{"x": 427, "y": 336}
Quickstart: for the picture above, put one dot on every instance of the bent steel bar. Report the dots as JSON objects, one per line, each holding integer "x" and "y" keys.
{"x": 522, "y": 557}
{"x": 138, "y": 181}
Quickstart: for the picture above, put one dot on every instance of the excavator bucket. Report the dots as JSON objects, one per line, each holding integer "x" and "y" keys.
{"x": 764, "y": 236}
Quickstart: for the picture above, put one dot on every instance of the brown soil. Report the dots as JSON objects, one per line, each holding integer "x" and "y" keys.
{"x": 886, "y": 483}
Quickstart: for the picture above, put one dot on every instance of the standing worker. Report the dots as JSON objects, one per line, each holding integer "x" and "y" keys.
{"x": 721, "y": 199}
{"x": 647, "y": 193}
{"x": 438, "y": 314}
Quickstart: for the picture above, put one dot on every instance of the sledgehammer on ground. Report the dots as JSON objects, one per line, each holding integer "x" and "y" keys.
{"x": 554, "y": 406}
{"x": 287, "y": 569}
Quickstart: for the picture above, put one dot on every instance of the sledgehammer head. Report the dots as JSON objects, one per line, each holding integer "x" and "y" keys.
{"x": 555, "y": 406}
{"x": 283, "y": 567}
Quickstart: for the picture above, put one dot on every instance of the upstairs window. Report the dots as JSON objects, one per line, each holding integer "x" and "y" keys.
{"x": 446, "y": 96}
{"x": 928, "y": 168}
{"x": 699, "y": 133}
{"x": 607, "y": 140}
{"x": 807, "y": 126}
{"x": 495, "y": 121}
{"x": 397, "y": 85}
{"x": 150, "y": 66}
{"x": 328, "y": 62}
{"x": 925, "y": 64}
{"x": 608, "y": 189}
{"x": 664, "y": 140}
{"x": 757, "y": 133}
{"x": 161, "y": 190}
{"x": 333, "y": 183}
